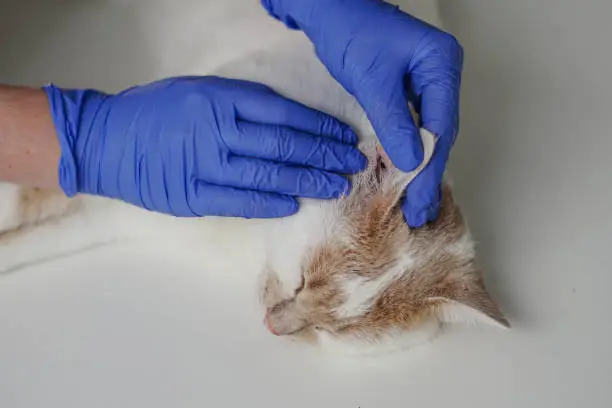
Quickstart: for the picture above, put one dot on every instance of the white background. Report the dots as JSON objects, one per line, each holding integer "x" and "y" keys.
{"x": 130, "y": 328}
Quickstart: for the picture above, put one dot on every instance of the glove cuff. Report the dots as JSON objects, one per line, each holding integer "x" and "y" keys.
{"x": 79, "y": 117}
{"x": 61, "y": 111}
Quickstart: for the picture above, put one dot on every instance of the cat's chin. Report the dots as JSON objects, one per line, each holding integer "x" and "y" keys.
{"x": 349, "y": 346}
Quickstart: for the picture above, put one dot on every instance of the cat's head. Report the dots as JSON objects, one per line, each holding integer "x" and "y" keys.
{"x": 365, "y": 276}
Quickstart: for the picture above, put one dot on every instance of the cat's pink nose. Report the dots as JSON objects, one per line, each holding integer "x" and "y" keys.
{"x": 269, "y": 325}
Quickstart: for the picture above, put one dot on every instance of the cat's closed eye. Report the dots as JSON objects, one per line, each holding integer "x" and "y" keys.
{"x": 300, "y": 287}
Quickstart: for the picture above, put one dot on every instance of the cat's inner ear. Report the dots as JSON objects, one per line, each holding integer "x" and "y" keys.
{"x": 469, "y": 304}
{"x": 383, "y": 163}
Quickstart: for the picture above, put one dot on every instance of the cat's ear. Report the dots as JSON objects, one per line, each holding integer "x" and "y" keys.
{"x": 400, "y": 180}
{"x": 469, "y": 303}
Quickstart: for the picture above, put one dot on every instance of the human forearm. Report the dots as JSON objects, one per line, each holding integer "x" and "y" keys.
{"x": 29, "y": 148}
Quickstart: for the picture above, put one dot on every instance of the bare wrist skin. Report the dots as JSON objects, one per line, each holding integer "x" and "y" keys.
{"x": 29, "y": 149}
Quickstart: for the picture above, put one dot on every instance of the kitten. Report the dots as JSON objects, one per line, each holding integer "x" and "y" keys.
{"x": 346, "y": 274}
{"x": 355, "y": 276}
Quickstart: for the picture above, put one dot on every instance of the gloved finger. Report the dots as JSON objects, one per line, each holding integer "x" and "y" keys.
{"x": 286, "y": 145}
{"x": 394, "y": 126}
{"x": 413, "y": 97}
{"x": 273, "y": 109}
{"x": 440, "y": 109}
{"x": 422, "y": 201}
{"x": 270, "y": 6}
{"x": 262, "y": 175}
{"x": 209, "y": 199}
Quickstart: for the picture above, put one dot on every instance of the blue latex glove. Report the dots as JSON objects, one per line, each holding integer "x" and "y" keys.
{"x": 385, "y": 57}
{"x": 196, "y": 146}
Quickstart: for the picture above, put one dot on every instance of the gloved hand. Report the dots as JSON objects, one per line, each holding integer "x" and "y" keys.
{"x": 384, "y": 58}
{"x": 196, "y": 146}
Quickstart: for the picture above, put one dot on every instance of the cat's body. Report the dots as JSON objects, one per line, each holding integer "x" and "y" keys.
{"x": 346, "y": 272}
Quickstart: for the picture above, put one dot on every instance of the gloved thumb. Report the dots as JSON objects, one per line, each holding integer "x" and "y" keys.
{"x": 388, "y": 111}
{"x": 423, "y": 195}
